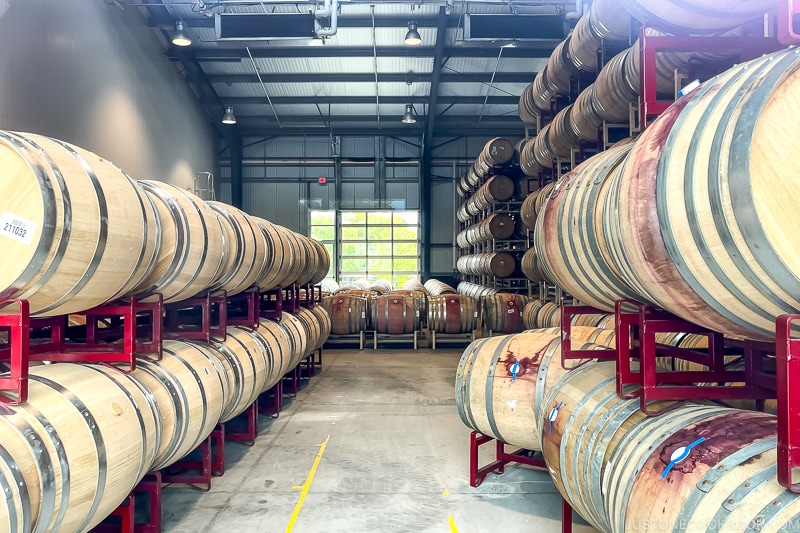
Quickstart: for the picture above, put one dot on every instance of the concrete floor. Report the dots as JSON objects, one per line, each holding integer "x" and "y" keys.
{"x": 396, "y": 460}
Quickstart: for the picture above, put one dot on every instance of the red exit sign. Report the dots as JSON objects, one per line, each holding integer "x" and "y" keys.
{"x": 322, "y": 180}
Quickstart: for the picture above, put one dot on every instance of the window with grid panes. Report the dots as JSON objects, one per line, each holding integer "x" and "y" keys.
{"x": 379, "y": 245}
{"x": 323, "y": 228}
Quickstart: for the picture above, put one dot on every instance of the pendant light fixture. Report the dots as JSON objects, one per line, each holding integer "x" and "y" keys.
{"x": 180, "y": 38}
{"x": 229, "y": 117}
{"x": 412, "y": 35}
{"x": 408, "y": 116}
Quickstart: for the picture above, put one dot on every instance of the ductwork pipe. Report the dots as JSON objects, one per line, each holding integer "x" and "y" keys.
{"x": 329, "y": 9}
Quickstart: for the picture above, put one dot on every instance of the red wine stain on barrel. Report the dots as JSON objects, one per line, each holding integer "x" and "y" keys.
{"x": 527, "y": 365}
{"x": 724, "y": 435}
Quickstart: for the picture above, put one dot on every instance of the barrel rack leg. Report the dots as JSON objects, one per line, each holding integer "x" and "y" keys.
{"x": 787, "y": 353}
{"x": 270, "y": 401}
{"x": 245, "y": 429}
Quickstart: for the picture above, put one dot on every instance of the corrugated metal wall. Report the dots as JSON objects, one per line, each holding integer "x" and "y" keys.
{"x": 92, "y": 74}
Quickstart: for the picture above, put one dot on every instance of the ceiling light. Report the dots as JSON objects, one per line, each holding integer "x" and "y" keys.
{"x": 229, "y": 117}
{"x": 412, "y": 36}
{"x": 180, "y": 38}
{"x": 408, "y": 116}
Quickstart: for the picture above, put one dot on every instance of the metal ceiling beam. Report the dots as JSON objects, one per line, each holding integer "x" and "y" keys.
{"x": 369, "y": 77}
{"x": 510, "y": 131}
{"x": 324, "y": 100}
{"x": 235, "y": 54}
{"x": 337, "y": 121}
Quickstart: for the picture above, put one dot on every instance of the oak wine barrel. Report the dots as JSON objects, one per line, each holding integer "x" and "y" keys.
{"x": 497, "y": 264}
{"x": 502, "y": 312}
{"x": 348, "y": 313}
{"x": 436, "y": 287}
{"x": 395, "y": 314}
{"x": 245, "y": 252}
{"x": 473, "y": 290}
{"x": 80, "y": 232}
{"x": 531, "y": 267}
{"x": 452, "y": 313}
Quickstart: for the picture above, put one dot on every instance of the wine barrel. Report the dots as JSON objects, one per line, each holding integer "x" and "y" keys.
{"x": 697, "y": 16}
{"x": 313, "y": 328}
{"x": 496, "y": 152}
{"x": 527, "y": 211}
{"x": 414, "y": 285}
{"x": 502, "y": 312}
{"x": 542, "y": 196}
{"x": 452, "y": 313}
{"x": 542, "y": 91}
{"x": 191, "y": 258}
{"x": 298, "y": 338}
{"x": 609, "y": 20}
{"x": 245, "y": 251}
{"x": 420, "y": 299}
{"x": 80, "y": 232}
{"x": 308, "y": 251}
{"x": 569, "y": 238}
{"x": 495, "y": 402}
{"x": 497, "y": 264}
{"x": 189, "y": 394}
{"x": 323, "y": 264}
{"x": 381, "y": 286}
{"x": 561, "y": 134}
{"x": 537, "y": 314}
{"x": 497, "y": 226}
{"x": 280, "y": 266}
{"x": 560, "y": 69}
{"x": 543, "y": 151}
{"x": 329, "y": 286}
{"x": 527, "y": 159}
{"x": 531, "y": 268}
{"x": 395, "y": 314}
{"x": 585, "y": 120}
{"x": 614, "y": 89}
{"x": 724, "y": 261}
{"x": 436, "y": 287}
{"x": 248, "y": 361}
{"x": 473, "y": 290}
{"x": 581, "y": 424}
{"x": 583, "y": 46}
{"x": 278, "y": 345}
{"x": 528, "y": 112}
{"x": 348, "y": 313}
{"x": 727, "y": 479}
{"x": 498, "y": 188}
{"x": 324, "y": 320}
{"x": 74, "y": 450}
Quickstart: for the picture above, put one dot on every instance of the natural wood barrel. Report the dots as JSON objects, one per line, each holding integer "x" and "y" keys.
{"x": 276, "y": 343}
{"x": 492, "y": 400}
{"x": 497, "y": 264}
{"x": 436, "y": 287}
{"x": 531, "y": 266}
{"x": 543, "y": 150}
{"x": 527, "y": 211}
{"x": 528, "y": 112}
{"x": 609, "y": 20}
{"x": 497, "y": 226}
{"x": 414, "y": 285}
{"x": 585, "y": 120}
{"x": 74, "y": 450}
{"x": 614, "y": 89}
{"x": 314, "y": 327}
{"x": 718, "y": 259}
{"x": 420, "y": 301}
{"x": 570, "y": 240}
{"x": 583, "y": 46}
{"x": 189, "y": 394}
{"x": 245, "y": 252}
{"x": 452, "y": 313}
{"x": 323, "y": 263}
{"x": 581, "y": 423}
{"x": 541, "y": 91}
{"x": 298, "y": 338}
{"x": 80, "y": 231}
{"x": 698, "y": 16}
{"x": 537, "y": 314}
{"x": 527, "y": 159}
{"x": 561, "y": 133}
{"x": 347, "y": 312}
{"x": 473, "y": 290}
{"x": 250, "y": 362}
{"x": 727, "y": 479}
{"x": 496, "y": 152}
{"x": 324, "y": 320}
{"x": 395, "y": 314}
{"x": 498, "y": 188}
{"x": 560, "y": 69}
{"x": 502, "y": 312}
{"x": 190, "y": 259}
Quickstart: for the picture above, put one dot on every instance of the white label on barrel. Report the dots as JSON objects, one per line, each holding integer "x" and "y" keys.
{"x": 363, "y": 315}
{"x": 475, "y": 314}
{"x": 17, "y": 228}
{"x": 510, "y": 311}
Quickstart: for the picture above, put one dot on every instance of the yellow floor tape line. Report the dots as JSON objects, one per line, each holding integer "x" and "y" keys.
{"x": 307, "y": 485}
{"x": 453, "y": 528}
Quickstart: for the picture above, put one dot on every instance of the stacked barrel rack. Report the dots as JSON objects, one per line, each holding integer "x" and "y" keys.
{"x": 638, "y": 324}
{"x": 191, "y": 317}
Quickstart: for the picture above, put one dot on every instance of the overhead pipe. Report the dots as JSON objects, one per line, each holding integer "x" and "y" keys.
{"x": 581, "y": 7}
{"x": 330, "y": 9}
